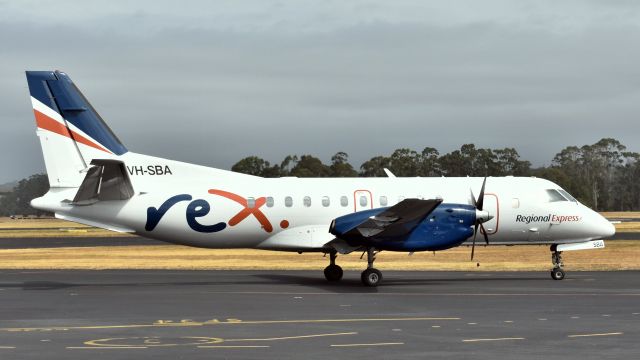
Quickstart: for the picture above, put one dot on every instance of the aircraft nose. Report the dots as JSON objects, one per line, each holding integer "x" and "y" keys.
{"x": 608, "y": 229}
{"x": 603, "y": 227}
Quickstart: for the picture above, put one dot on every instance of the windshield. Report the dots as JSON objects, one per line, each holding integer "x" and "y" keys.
{"x": 567, "y": 195}
{"x": 553, "y": 196}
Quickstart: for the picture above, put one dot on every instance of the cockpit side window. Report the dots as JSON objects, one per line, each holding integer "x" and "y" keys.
{"x": 567, "y": 195}
{"x": 554, "y": 195}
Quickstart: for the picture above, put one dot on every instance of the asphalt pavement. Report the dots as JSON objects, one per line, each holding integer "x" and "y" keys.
{"x": 298, "y": 315}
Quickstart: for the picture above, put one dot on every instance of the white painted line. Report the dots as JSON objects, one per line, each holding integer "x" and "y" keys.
{"x": 601, "y": 334}
{"x": 372, "y": 344}
{"x": 542, "y": 319}
{"x": 435, "y": 326}
{"x": 7, "y": 347}
{"x": 497, "y": 339}
{"x": 508, "y": 321}
{"x": 472, "y": 323}
{"x": 575, "y": 317}
{"x": 606, "y": 315}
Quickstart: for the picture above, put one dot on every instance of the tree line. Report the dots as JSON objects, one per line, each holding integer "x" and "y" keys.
{"x": 603, "y": 176}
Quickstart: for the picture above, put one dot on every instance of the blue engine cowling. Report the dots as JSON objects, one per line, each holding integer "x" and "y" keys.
{"x": 447, "y": 226}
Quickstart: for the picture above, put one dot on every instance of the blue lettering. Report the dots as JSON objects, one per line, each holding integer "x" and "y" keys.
{"x": 199, "y": 208}
{"x": 154, "y": 215}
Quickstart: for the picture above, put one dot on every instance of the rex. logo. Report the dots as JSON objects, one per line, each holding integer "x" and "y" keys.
{"x": 200, "y": 207}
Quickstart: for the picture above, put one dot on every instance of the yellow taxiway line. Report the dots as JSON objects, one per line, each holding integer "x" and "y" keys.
{"x": 229, "y": 322}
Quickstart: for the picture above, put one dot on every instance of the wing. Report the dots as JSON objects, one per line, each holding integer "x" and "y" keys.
{"x": 397, "y": 221}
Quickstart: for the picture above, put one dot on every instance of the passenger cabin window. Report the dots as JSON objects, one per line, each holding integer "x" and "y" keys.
{"x": 344, "y": 201}
{"x": 288, "y": 201}
{"x": 555, "y": 196}
{"x": 251, "y": 202}
{"x": 363, "y": 201}
{"x": 269, "y": 201}
{"x": 325, "y": 201}
{"x": 383, "y": 201}
{"x": 306, "y": 201}
{"x": 515, "y": 203}
{"x": 567, "y": 195}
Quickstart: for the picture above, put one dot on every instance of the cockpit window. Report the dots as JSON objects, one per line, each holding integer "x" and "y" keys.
{"x": 567, "y": 195}
{"x": 554, "y": 195}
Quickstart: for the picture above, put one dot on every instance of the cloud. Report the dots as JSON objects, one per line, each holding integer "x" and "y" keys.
{"x": 211, "y": 85}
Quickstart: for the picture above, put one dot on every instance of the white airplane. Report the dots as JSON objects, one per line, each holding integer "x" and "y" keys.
{"x": 96, "y": 181}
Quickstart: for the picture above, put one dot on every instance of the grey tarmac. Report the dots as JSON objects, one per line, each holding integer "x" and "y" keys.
{"x": 87, "y": 241}
{"x": 298, "y": 315}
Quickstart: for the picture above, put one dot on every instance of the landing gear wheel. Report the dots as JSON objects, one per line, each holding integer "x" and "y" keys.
{"x": 333, "y": 273}
{"x": 371, "y": 277}
{"x": 556, "y": 260}
{"x": 557, "y": 274}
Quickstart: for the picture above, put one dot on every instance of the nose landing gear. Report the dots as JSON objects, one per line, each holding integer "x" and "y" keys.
{"x": 556, "y": 259}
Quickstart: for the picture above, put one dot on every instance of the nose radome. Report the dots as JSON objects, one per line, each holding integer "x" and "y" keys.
{"x": 603, "y": 227}
{"x": 609, "y": 229}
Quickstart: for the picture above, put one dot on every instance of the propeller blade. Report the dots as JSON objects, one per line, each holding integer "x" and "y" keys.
{"x": 484, "y": 232}
{"x": 473, "y": 245}
{"x": 481, "y": 197}
{"x": 478, "y": 205}
{"x": 473, "y": 198}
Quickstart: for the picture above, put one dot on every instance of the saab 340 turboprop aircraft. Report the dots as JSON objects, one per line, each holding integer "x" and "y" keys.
{"x": 96, "y": 181}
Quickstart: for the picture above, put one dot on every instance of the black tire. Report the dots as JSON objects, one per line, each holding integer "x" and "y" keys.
{"x": 371, "y": 277}
{"x": 557, "y": 274}
{"x": 333, "y": 273}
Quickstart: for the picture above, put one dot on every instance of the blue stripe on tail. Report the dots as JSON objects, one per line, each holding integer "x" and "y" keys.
{"x": 56, "y": 90}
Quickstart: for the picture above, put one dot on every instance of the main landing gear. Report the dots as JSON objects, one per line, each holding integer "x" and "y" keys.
{"x": 333, "y": 272}
{"x": 370, "y": 277}
{"x": 556, "y": 259}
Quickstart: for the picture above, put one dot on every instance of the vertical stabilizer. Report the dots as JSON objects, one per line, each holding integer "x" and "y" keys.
{"x": 71, "y": 132}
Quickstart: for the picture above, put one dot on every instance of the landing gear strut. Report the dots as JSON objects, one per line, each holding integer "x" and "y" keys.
{"x": 371, "y": 276}
{"x": 333, "y": 272}
{"x": 556, "y": 259}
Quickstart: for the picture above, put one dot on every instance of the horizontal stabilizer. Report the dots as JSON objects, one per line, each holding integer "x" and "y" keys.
{"x": 105, "y": 180}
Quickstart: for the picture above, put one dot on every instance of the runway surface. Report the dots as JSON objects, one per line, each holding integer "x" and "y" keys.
{"x": 57, "y": 242}
{"x": 298, "y": 315}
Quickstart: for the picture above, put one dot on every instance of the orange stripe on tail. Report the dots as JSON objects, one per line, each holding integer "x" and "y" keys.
{"x": 45, "y": 122}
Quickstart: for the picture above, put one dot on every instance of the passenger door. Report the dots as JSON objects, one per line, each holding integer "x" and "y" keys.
{"x": 492, "y": 206}
{"x": 362, "y": 200}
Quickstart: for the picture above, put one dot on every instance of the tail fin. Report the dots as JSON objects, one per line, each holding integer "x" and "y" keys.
{"x": 71, "y": 132}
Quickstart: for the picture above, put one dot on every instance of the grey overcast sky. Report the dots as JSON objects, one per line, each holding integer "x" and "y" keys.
{"x": 211, "y": 82}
